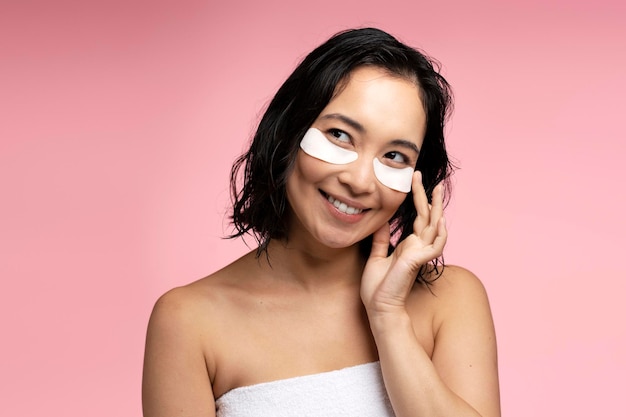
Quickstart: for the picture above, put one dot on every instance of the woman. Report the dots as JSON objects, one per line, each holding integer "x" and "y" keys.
{"x": 329, "y": 317}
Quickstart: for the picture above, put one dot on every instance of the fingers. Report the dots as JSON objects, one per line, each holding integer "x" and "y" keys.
{"x": 442, "y": 236}
{"x": 421, "y": 204}
{"x": 427, "y": 225}
{"x": 436, "y": 211}
{"x": 380, "y": 242}
{"x": 435, "y": 249}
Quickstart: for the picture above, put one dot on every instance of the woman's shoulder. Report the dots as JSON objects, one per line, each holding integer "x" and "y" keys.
{"x": 456, "y": 281}
{"x": 203, "y": 298}
{"x": 455, "y": 293}
{"x": 209, "y": 289}
{"x": 177, "y": 312}
{"x": 195, "y": 316}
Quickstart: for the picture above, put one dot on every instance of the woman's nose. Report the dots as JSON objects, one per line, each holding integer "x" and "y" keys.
{"x": 359, "y": 176}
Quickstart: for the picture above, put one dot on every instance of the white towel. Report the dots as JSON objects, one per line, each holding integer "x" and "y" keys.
{"x": 355, "y": 391}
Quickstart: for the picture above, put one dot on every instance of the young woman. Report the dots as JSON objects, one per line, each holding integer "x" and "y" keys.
{"x": 344, "y": 308}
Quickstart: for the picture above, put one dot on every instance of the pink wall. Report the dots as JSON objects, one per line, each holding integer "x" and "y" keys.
{"x": 120, "y": 120}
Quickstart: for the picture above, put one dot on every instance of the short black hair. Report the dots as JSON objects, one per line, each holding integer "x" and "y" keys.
{"x": 260, "y": 205}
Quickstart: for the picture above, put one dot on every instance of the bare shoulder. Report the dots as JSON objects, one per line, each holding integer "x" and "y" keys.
{"x": 456, "y": 280}
{"x": 459, "y": 294}
{"x": 178, "y": 323}
{"x": 450, "y": 298}
{"x": 176, "y": 316}
{"x": 175, "y": 377}
{"x": 455, "y": 289}
{"x": 200, "y": 301}
{"x": 178, "y": 306}
{"x": 457, "y": 284}
{"x": 186, "y": 328}
{"x": 192, "y": 316}
{"x": 183, "y": 307}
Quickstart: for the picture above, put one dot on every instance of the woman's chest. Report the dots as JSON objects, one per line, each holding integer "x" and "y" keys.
{"x": 279, "y": 343}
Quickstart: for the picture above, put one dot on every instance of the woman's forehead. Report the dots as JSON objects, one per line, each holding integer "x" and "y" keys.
{"x": 373, "y": 100}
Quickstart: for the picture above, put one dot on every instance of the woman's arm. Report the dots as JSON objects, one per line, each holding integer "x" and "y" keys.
{"x": 461, "y": 378}
{"x": 176, "y": 382}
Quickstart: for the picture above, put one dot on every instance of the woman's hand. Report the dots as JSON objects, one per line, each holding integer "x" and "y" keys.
{"x": 387, "y": 280}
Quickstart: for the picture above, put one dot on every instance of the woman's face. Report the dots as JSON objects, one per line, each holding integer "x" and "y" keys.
{"x": 376, "y": 115}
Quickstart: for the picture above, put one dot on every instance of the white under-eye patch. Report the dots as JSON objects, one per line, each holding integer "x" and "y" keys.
{"x": 398, "y": 179}
{"x": 315, "y": 144}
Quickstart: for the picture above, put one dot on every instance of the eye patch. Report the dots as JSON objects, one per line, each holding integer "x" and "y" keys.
{"x": 318, "y": 146}
{"x": 398, "y": 179}
{"x": 315, "y": 144}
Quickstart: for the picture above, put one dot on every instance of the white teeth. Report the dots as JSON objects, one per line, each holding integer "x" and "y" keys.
{"x": 343, "y": 207}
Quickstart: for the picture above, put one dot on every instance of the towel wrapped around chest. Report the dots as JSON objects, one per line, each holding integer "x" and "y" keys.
{"x": 354, "y": 391}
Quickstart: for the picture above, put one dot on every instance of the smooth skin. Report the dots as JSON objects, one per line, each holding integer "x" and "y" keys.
{"x": 317, "y": 305}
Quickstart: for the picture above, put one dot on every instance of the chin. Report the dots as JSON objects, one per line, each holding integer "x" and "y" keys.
{"x": 335, "y": 242}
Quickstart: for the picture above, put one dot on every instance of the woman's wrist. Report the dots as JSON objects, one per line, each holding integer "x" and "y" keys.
{"x": 389, "y": 320}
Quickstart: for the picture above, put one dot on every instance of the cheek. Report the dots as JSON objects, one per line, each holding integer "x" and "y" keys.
{"x": 302, "y": 182}
{"x": 308, "y": 169}
{"x": 393, "y": 200}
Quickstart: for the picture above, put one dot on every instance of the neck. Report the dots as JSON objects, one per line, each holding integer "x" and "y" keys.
{"x": 313, "y": 269}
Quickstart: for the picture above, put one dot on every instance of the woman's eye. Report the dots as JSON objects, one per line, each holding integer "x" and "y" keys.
{"x": 340, "y": 135}
{"x": 396, "y": 157}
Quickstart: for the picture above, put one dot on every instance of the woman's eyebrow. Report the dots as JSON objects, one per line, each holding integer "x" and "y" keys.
{"x": 350, "y": 122}
{"x": 405, "y": 144}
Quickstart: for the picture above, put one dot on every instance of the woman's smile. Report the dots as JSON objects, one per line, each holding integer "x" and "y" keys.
{"x": 344, "y": 210}
{"x": 343, "y": 207}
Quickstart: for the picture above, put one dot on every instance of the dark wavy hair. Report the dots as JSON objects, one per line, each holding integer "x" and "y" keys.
{"x": 260, "y": 205}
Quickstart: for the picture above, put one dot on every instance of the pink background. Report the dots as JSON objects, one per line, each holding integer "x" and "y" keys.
{"x": 120, "y": 120}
